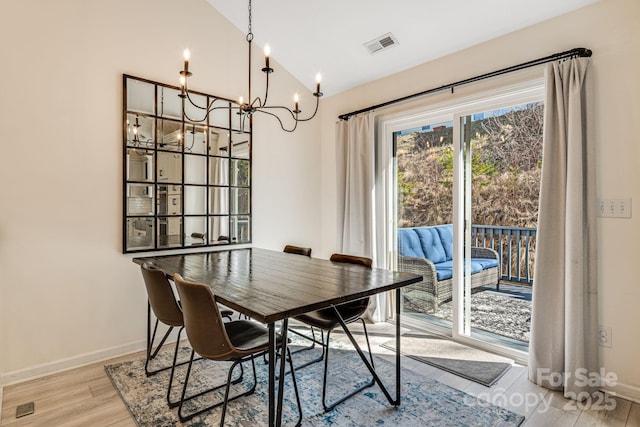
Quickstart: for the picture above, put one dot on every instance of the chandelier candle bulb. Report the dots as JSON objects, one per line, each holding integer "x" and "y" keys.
{"x": 296, "y": 98}
{"x": 267, "y": 52}
{"x": 186, "y": 54}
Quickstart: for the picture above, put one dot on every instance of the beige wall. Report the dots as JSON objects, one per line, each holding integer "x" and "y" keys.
{"x": 610, "y": 28}
{"x": 68, "y": 294}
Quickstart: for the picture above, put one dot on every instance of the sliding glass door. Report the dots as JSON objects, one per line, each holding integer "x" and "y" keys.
{"x": 466, "y": 182}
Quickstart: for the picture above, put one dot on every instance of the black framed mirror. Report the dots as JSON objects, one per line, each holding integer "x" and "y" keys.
{"x": 185, "y": 183}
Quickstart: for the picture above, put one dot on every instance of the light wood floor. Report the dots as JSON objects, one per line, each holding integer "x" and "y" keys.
{"x": 86, "y": 397}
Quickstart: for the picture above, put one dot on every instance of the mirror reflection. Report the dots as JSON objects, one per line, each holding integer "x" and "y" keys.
{"x": 240, "y": 145}
{"x": 240, "y": 201}
{"x": 195, "y": 169}
{"x": 140, "y": 131}
{"x": 195, "y": 199}
{"x": 169, "y": 232}
{"x": 219, "y": 200}
{"x": 195, "y": 140}
{"x": 169, "y": 199}
{"x": 195, "y": 231}
{"x": 240, "y": 229}
{"x": 139, "y": 165}
{"x": 219, "y": 230}
{"x": 186, "y": 182}
{"x": 169, "y": 167}
{"x": 169, "y": 103}
{"x": 139, "y": 233}
{"x": 219, "y": 116}
{"x": 139, "y": 199}
{"x": 140, "y": 96}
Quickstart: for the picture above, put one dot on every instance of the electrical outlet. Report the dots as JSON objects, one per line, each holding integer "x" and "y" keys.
{"x": 614, "y": 208}
{"x": 604, "y": 336}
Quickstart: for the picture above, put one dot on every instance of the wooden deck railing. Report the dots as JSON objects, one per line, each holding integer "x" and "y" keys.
{"x": 515, "y": 246}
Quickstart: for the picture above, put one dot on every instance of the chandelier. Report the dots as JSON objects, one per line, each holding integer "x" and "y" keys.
{"x": 256, "y": 105}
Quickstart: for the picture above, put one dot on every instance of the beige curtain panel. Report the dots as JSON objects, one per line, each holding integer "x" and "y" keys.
{"x": 563, "y": 349}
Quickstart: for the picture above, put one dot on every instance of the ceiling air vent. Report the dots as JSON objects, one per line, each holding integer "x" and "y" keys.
{"x": 382, "y": 42}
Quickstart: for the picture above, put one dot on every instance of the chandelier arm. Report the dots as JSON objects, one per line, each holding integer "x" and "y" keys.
{"x": 314, "y": 112}
{"x": 279, "y": 119}
{"x": 266, "y": 90}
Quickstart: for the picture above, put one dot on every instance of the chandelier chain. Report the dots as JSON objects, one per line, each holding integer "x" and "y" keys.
{"x": 250, "y": 33}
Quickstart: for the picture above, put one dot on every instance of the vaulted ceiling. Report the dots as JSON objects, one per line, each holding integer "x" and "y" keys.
{"x": 329, "y": 36}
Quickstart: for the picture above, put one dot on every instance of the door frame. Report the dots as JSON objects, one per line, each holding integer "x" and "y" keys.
{"x": 531, "y": 90}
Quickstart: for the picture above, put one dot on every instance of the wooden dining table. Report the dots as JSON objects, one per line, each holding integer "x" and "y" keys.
{"x": 271, "y": 286}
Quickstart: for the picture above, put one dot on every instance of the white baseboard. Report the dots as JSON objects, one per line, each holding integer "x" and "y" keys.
{"x": 49, "y": 368}
{"x": 624, "y": 391}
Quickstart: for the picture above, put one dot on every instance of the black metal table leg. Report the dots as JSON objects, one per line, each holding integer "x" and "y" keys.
{"x": 283, "y": 359}
{"x": 397, "y": 403}
{"x": 272, "y": 374}
{"x": 394, "y": 402}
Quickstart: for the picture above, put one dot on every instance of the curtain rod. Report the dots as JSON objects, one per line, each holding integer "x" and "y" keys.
{"x": 576, "y": 52}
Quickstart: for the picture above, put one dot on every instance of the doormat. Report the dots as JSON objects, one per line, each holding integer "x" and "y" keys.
{"x": 466, "y": 362}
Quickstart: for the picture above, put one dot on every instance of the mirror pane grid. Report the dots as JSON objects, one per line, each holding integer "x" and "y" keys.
{"x": 186, "y": 182}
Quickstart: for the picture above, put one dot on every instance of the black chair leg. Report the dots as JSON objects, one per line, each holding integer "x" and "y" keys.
{"x": 151, "y": 353}
{"x": 330, "y": 406}
{"x": 295, "y": 388}
{"x": 227, "y": 385}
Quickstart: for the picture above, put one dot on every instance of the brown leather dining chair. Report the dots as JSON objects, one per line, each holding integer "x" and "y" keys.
{"x": 298, "y": 250}
{"x": 166, "y": 309}
{"x": 238, "y": 341}
{"x": 326, "y": 320}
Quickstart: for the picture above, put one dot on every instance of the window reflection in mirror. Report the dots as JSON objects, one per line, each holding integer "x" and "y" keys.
{"x": 240, "y": 173}
{"x": 240, "y": 201}
{"x": 240, "y": 229}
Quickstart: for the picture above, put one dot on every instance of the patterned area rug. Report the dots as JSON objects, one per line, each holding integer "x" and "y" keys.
{"x": 425, "y": 402}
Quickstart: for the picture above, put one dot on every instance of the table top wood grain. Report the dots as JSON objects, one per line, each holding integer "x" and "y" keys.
{"x": 271, "y": 285}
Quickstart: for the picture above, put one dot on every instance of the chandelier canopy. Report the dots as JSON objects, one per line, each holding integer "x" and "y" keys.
{"x": 283, "y": 114}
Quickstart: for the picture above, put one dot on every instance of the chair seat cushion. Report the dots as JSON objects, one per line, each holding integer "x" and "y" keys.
{"x": 246, "y": 335}
{"x": 444, "y": 270}
{"x": 326, "y": 318}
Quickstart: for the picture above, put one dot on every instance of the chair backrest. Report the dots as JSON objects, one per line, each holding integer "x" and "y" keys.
{"x": 361, "y": 304}
{"x": 298, "y": 250}
{"x": 161, "y": 298}
{"x": 351, "y": 259}
{"x": 202, "y": 320}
